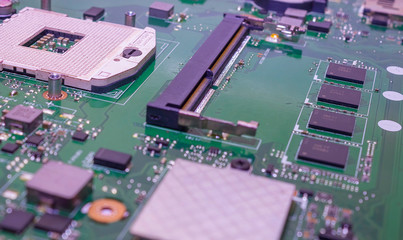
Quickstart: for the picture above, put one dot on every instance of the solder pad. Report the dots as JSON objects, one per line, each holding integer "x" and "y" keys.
{"x": 96, "y": 62}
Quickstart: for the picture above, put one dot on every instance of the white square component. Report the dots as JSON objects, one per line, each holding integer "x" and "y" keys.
{"x": 196, "y": 201}
{"x": 95, "y": 56}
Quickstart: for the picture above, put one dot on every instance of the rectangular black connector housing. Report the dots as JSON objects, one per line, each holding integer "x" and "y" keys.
{"x": 164, "y": 111}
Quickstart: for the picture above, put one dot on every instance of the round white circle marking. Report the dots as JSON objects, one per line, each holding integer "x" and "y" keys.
{"x": 392, "y": 95}
{"x": 389, "y": 125}
{"x": 395, "y": 70}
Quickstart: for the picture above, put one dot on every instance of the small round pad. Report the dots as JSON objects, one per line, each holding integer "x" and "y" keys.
{"x": 107, "y": 211}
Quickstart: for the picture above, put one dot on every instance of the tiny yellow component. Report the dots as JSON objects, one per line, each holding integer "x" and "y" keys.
{"x": 274, "y": 36}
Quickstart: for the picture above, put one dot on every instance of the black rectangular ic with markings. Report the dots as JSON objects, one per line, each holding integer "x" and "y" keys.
{"x": 346, "y": 73}
{"x": 332, "y": 122}
{"x": 323, "y": 152}
{"x": 339, "y": 96}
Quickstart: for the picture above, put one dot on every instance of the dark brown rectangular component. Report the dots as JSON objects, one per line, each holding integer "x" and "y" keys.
{"x": 23, "y": 118}
{"x": 327, "y": 153}
{"x": 339, "y": 96}
{"x": 94, "y": 13}
{"x": 346, "y": 73}
{"x": 323, "y": 27}
{"x": 53, "y": 223}
{"x": 112, "y": 159}
{"x": 332, "y": 122}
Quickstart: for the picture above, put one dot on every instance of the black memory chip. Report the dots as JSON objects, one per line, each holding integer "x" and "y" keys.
{"x": 53, "y": 223}
{"x": 332, "y": 122}
{"x": 112, "y": 159}
{"x": 16, "y": 221}
{"x": 339, "y": 96}
{"x": 327, "y": 153}
{"x": 346, "y": 73}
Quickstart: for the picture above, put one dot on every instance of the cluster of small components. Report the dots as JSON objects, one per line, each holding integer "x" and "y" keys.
{"x": 50, "y": 43}
{"x": 155, "y": 146}
{"x": 367, "y": 162}
{"x": 56, "y": 185}
{"x": 338, "y": 221}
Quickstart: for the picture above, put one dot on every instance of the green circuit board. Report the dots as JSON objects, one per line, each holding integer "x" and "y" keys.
{"x": 270, "y": 79}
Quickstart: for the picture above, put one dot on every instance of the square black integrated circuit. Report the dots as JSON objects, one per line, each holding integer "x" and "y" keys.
{"x": 339, "y": 96}
{"x": 332, "y": 122}
{"x": 10, "y": 148}
{"x": 112, "y": 159}
{"x": 80, "y": 136}
{"x": 16, "y": 221}
{"x": 35, "y": 140}
{"x": 346, "y": 73}
{"x": 327, "y": 153}
{"x": 53, "y": 223}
